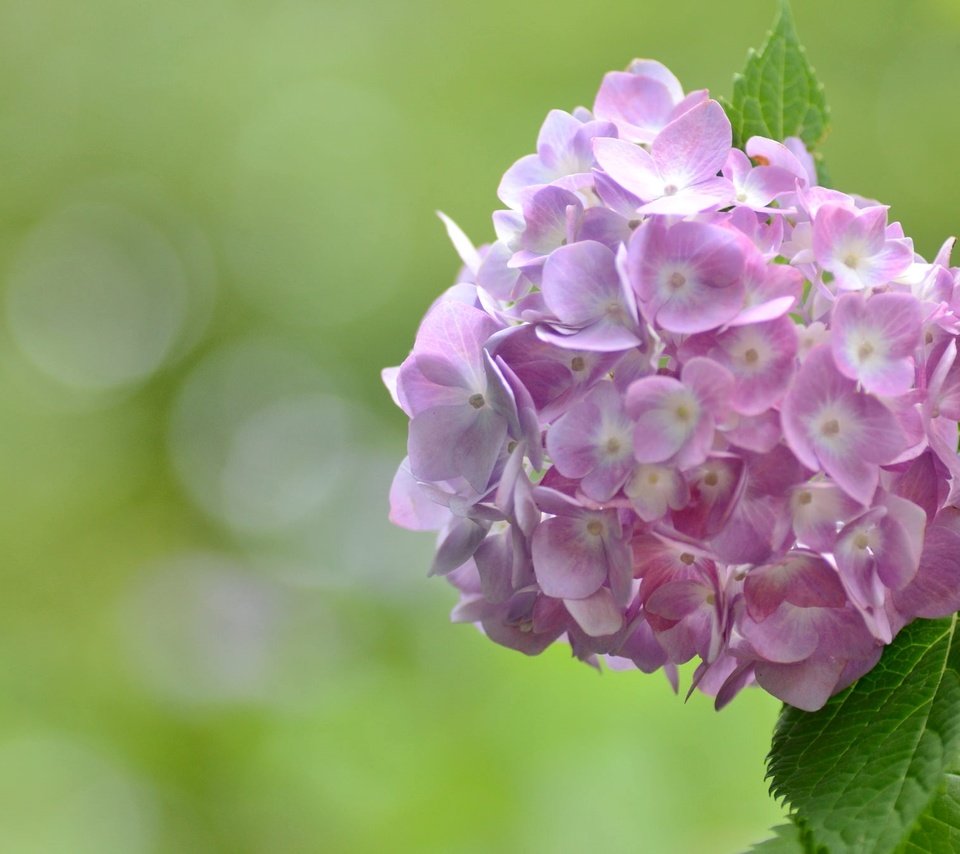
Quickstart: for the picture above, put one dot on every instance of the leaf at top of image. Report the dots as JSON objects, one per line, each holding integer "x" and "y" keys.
{"x": 777, "y": 95}
{"x": 870, "y": 771}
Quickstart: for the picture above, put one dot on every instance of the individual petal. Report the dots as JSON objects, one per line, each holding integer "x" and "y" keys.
{"x": 413, "y": 507}
{"x": 455, "y": 332}
{"x": 694, "y": 146}
{"x": 807, "y": 684}
{"x": 458, "y": 545}
{"x": 685, "y": 201}
{"x": 935, "y": 589}
{"x": 465, "y": 249}
{"x": 787, "y": 635}
{"x": 629, "y": 166}
{"x": 637, "y": 104}
{"x": 568, "y": 555}
{"x": 598, "y": 615}
{"x": 528, "y": 172}
{"x": 547, "y": 217}
{"x": 456, "y": 441}
{"x": 581, "y": 284}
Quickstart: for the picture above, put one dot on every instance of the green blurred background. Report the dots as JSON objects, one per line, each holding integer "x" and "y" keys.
{"x": 216, "y": 226}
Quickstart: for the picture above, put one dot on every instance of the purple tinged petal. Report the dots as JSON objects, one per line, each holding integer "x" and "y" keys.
{"x": 602, "y": 336}
{"x": 528, "y": 172}
{"x": 456, "y": 441}
{"x": 390, "y": 376}
{"x": 639, "y": 105}
{"x": 768, "y": 152}
{"x": 455, "y": 332}
{"x": 935, "y": 589}
{"x": 465, "y": 249}
{"x": 494, "y": 559}
{"x": 764, "y": 184}
{"x": 458, "y": 546}
{"x": 629, "y": 166}
{"x": 807, "y": 684}
{"x": 568, "y": 555}
{"x": 924, "y": 482}
{"x": 694, "y": 146}
{"x": 787, "y": 635}
{"x": 658, "y": 71}
{"x": 413, "y": 507}
{"x": 581, "y": 283}
{"x": 555, "y": 138}
{"x": 604, "y": 226}
{"x": 684, "y": 201}
{"x": 598, "y": 614}
{"x": 547, "y": 220}
{"x": 529, "y": 424}
{"x": 759, "y": 433}
{"x": 494, "y": 276}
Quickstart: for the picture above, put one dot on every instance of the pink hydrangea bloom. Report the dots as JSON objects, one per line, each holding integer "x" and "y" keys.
{"x": 688, "y": 405}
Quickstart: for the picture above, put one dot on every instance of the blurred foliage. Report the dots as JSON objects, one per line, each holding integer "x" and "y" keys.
{"x": 216, "y": 226}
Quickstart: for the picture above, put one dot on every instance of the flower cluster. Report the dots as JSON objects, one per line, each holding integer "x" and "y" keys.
{"x": 688, "y": 405}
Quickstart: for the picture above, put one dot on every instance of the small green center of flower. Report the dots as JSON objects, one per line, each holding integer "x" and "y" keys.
{"x": 577, "y": 363}
{"x": 711, "y": 478}
{"x": 804, "y": 497}
{"x": 653, "y": 478}
{"x": 677, "y": 280}
{"x": 852, "y": 260}
{"x": 865, "y": 351}
{"x": 595, "y": 527}
{"x": 861, "y": 541}
{"x": 751, "y": 356}
{"x": 476, "y": 401}
{"x": 682, "y": 412}
{"x": 613, "y": 445}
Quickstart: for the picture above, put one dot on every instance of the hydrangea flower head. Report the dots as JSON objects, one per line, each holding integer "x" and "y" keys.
{"x": 688, "y": 405}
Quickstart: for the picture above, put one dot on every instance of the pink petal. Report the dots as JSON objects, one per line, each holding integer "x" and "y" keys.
{"x": 694, "y": 146}
{"x": 597, "y": 614}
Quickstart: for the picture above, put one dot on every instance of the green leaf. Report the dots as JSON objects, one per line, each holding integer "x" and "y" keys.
{"x": 938, "y": 828}
{"x": 777, "y": 95}
{"x": 868, "y": 772}
{"x": 786, "y": 840}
